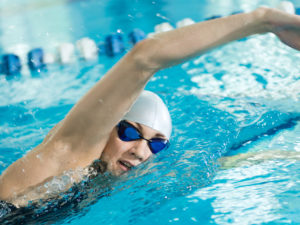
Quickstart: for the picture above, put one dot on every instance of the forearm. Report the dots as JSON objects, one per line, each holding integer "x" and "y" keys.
{"x": 178, "y": 45}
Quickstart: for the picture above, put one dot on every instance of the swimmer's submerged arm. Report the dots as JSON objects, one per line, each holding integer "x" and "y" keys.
{"x": 253, "y": 158}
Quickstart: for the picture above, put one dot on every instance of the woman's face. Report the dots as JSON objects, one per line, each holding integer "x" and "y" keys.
{"x": 121, "y": 156}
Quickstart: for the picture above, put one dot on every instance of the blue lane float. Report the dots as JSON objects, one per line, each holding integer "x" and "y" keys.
{"x": 36, "y": 59}
{"x": 101, "y": 48}
{"x": 136, "y": 36}
{"x": 213, "y": 17}
{"x": 114, "y": 45}
{"x": 237, "y": 12}
{"x": 11, "y": 64}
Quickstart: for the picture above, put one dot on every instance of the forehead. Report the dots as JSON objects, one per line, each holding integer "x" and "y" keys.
{"x": 146, "y": 130}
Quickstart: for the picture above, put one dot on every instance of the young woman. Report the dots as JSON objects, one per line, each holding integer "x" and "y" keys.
{"x": 97, "y": 127}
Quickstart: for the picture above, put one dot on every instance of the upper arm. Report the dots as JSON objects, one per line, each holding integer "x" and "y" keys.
{"x": 86, "y": 127}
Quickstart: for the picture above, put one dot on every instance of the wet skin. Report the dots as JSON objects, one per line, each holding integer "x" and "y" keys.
{"x": 121, "y": 156}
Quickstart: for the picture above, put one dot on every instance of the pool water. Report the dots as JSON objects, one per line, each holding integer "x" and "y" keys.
{"x": 242, "y": 98}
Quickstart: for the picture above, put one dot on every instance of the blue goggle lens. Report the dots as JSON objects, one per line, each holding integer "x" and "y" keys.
{"x": 127, "y": 132}
{"x": 157, "y": 144}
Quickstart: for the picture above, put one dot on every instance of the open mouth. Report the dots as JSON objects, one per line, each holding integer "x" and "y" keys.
{"x": 126, "y": 166}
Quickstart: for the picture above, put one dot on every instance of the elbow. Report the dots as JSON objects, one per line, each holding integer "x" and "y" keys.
{"x": 144, "y": 55}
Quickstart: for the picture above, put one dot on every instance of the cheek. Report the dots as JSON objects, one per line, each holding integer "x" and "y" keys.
{"x": 117, "y": 147}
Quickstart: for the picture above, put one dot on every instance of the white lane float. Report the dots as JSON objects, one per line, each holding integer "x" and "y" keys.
{"x": 49, "y": 58}
{"x": 88, "y": 49}
{"x": 286, "y": 6}
{"x": 66, "y": 53}
{"x": 185, "y": 22}
{"x": 163, "y": 27}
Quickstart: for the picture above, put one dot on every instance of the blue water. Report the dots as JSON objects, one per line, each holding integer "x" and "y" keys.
{"x": 239, "y": 98}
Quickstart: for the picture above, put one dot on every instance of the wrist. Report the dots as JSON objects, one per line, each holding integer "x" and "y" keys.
{"x": 260, "y": 17}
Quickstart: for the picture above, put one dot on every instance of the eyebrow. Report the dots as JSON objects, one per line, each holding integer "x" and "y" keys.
{"x": 159, "y": 135}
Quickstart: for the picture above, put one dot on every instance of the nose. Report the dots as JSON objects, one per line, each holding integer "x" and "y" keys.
{"x": 140, "y": 150}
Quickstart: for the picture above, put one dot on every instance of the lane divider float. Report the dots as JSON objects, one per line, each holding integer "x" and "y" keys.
{"x": 87, "y": 49}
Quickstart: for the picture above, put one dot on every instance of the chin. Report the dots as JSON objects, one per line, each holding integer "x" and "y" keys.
{"x": 114, "y": 172}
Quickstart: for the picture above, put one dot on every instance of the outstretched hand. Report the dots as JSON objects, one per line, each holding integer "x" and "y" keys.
{"x": 285, "y": 26}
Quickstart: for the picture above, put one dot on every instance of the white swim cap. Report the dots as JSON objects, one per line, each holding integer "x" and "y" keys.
{"x": 150, "y": 110}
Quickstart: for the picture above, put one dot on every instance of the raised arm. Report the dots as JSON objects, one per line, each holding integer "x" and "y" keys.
{"x": 102, "y": 107}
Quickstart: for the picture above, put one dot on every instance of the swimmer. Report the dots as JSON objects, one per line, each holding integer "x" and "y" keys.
{"x": 119, "y": 124}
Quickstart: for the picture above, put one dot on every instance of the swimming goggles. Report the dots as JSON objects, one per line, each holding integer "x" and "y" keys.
{"x": 128, "y": 132}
